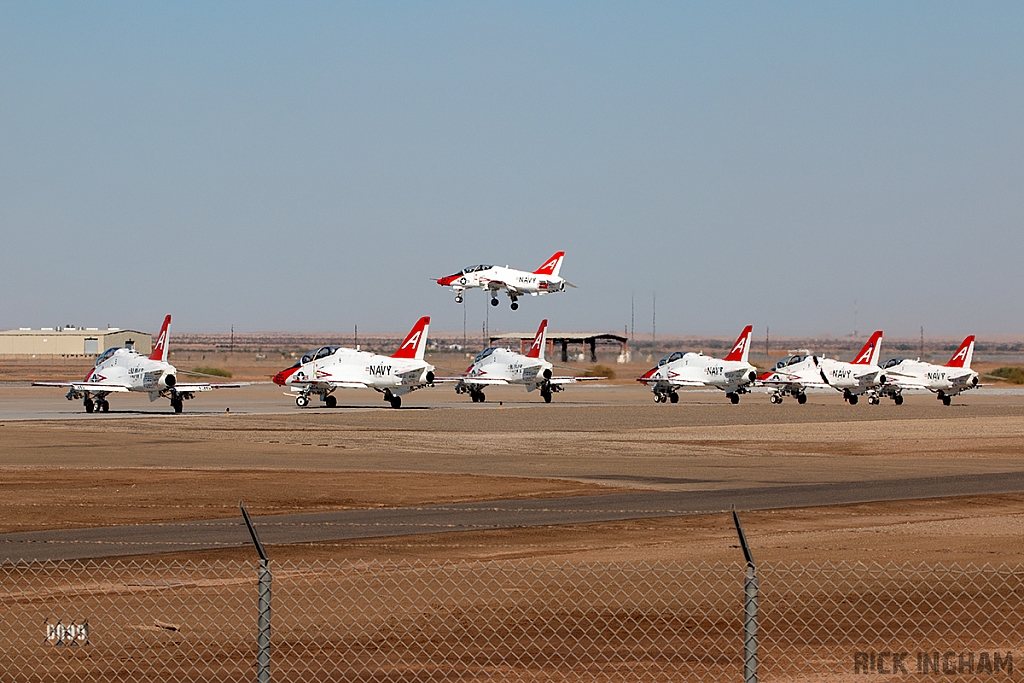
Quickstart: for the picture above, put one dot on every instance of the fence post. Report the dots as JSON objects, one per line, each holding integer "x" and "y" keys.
{"x": 750, "y": 595}
{"x": 263, "y": 605}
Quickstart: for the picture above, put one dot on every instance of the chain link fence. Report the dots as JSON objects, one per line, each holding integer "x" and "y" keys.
{"x": 508, "y": 621}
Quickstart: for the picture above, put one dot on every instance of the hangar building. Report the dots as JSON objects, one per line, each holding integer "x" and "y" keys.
{"x": 70, "y": 341}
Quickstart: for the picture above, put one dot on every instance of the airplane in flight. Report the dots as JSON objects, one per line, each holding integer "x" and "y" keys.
{"x": 732, "y": 374}
{"x": 946, "y": 380}
{"x": 516, "y": 283}
{"x": 123, "y": 370}
{"x": 860, "y": 377}
{"x": 327, "y": 368}
{"x": 793, "y": 375}
{"x": 500, "y": 367}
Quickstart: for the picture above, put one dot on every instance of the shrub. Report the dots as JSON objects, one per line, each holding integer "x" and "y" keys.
{"x": 599, "y": 371}
{"x": 1012, "y": 374}
{"x": 217, "y": 372}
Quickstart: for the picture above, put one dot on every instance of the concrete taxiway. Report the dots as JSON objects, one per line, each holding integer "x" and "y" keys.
{"x": 314, "y": 528}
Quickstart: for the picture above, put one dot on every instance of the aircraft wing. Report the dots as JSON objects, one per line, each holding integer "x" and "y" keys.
{"x": 495, "y": 285}
{"x": 208, "y": 386}
{"x": 782, "y": 379}
{"x": 673, "y": 382}
{"x": 573, "y": 380}
{"x": 483, "y": 382}
{"x": 86, "y": 386}
{"x": 347, "y": 385}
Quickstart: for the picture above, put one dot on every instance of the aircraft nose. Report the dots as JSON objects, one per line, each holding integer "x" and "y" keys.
{"x": 446, "y": 280}
{"x": 282, "y": 377}
{"x": 648, "y": 374}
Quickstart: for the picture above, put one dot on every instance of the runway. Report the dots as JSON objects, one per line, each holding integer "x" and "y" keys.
{"x": 119, "y": 541}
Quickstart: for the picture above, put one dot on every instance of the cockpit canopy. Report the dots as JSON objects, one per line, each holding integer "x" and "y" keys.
{"x": 483, "y": 354}
{"x": 317, "y": 354}
{"x": 792, "y": 360}
{"x": 892, "y": 361}
{"x": 107, "y": 354}
{"x": 472, "y": 269}
{"x": 670, "y": 358}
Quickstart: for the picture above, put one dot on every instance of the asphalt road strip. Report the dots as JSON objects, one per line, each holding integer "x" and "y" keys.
{"x": 148, "y": 539}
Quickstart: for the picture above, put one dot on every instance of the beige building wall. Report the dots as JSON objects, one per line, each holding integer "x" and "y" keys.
{"x": 70, "y": 342}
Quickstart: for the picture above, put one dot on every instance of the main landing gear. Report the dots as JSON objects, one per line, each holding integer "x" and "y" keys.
{"x": 477, "y": 396}
{"x": 777, "y": 397}
{"x": 395, "y": 401}
{"x": 945, "y": 398}
{"x": 666, "y": 395}
{"x": 100, "y": 405}
{"x": 458, "y": 298}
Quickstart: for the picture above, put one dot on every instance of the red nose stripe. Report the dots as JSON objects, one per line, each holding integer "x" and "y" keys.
{"x": 282, "y": 377}
{"x": 647, "y": 375}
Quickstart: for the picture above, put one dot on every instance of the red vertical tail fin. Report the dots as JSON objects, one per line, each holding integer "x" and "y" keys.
{"x": 869, "y": 354}
{"x": 552, "y": 265}
{"x": 160, "y": 345}
{"x": 962, "y": 357}
{"x": 537, "y": 348}
{"x": 741, "y": 349}
{"x": 415, "y": 342}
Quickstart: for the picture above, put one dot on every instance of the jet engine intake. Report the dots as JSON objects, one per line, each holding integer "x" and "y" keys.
{"x": 547, "y": 373}
{"x": 170, "y": 380}
{"x": 430, "y": 376}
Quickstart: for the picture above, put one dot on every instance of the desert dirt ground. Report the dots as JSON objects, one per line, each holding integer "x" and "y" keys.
{"x": 141, "y": 464}
{"x": 153, "y": 467}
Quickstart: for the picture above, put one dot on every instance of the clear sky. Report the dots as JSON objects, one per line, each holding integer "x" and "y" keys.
{"x": 305, "y": 166}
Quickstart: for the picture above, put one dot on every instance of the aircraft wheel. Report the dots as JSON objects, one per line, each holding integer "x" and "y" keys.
{"x": 853, "y": 399}
{"x": 482, "y": 397}
{"x": 776, "y": 399}
{"x": 88, "y": 405}
{"x": 177, "y": 404}
{"x": 494, "y": 302}
{"x": 897, "y": 399}
{"x": 674, "y": 397}
{"x": 396, "y": 401}
{"x": 735, "y": 398}
{"x": 546, "y": 395}
{"x": 946, "y": 400}
{"x": 458, "y": 299}
{"x": 301, "y": 401}
{"x": 104, "y": 406}
{"x": 331, "y": 401}
{"x": 801, "y": 398}
{"x": 515, "y": 306}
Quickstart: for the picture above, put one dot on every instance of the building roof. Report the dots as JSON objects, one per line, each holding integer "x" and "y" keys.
{"x": 563, "y": 336}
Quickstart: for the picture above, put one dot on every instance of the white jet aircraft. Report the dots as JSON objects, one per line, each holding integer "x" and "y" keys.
{"x": 498, "y": 367}
{"x": 515, "y": 282}
{"x": 732, "y": 374}
{"x": 121, "y": 370}
{"x": 794, "y": 376}
{"x": 862, "y": 376}
{"x": 327, "y": 368}
{"x": 946, "y": 380}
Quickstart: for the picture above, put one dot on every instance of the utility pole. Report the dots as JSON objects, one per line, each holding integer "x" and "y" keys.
{"x": 922, "y": 342}
{"x": 632, "y": 312}
{"x": 232, "y": 339}
{"x": 654, "y": 319}
{"x": 767, "y": 353}
{"x": 356, "y": 334}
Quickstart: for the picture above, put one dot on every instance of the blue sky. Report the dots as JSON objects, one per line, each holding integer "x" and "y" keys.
{"x": 311, "y": 166}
